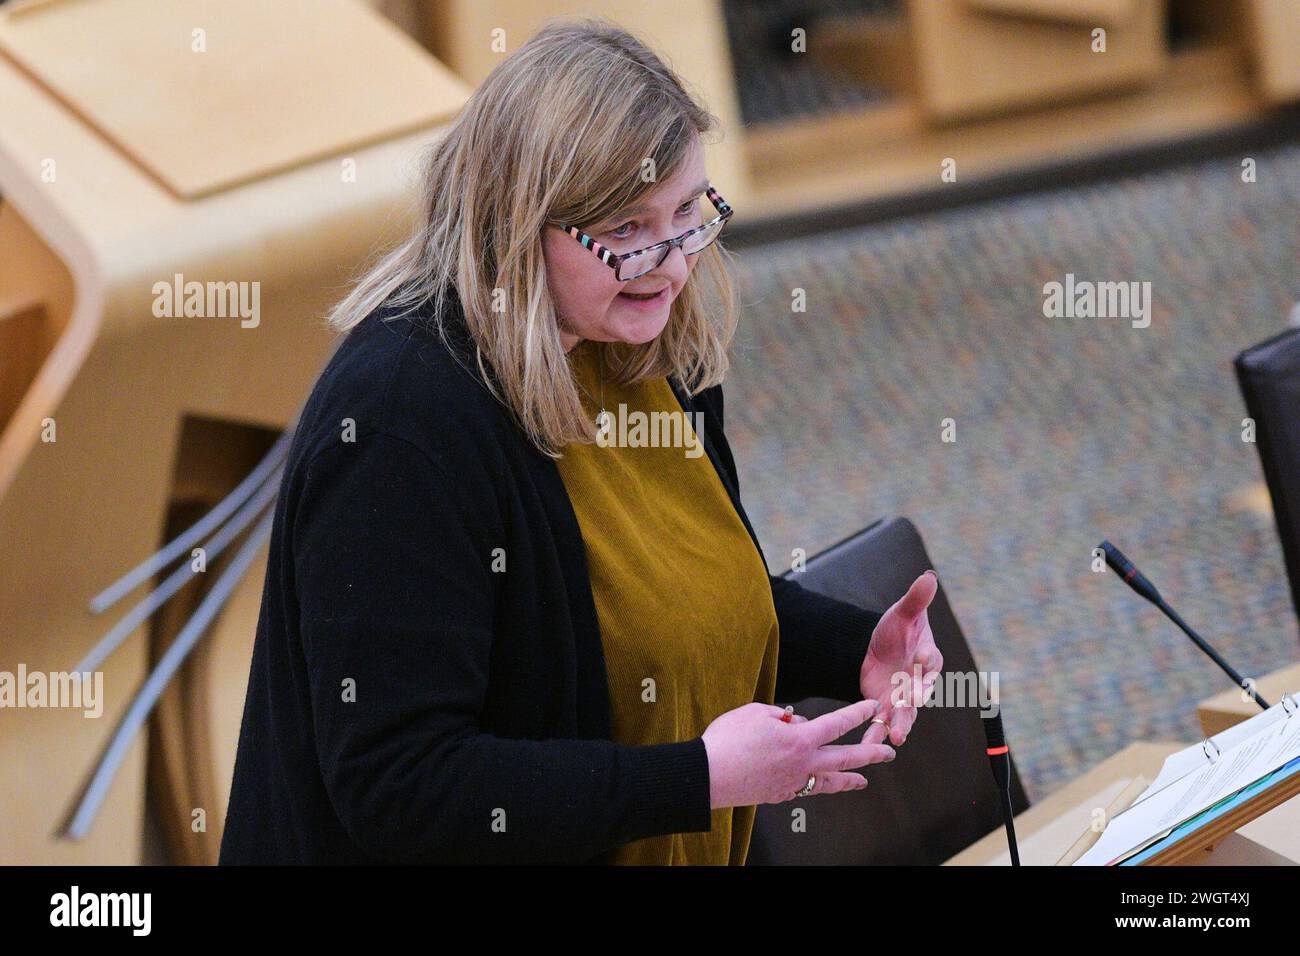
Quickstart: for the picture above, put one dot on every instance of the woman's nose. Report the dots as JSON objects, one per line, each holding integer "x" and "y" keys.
{"x": 675, "y": 266}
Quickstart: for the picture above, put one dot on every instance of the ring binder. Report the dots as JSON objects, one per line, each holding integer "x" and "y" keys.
{"x": 1191, "y": 809}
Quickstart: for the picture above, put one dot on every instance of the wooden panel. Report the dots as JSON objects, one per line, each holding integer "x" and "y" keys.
{"x": 191, "y": 755}
{"x": 21, "y": 334}
{"x": 971, "y": 63}
{"x": 180, "y": 755}
{"x": 1275, "y": 38}
{"x": 1228, "y": 707}
{"x": 290, "y": 81}
{"x": 118, "y": 380}
{"x": 226, "y": 653}
{"x": 876, "y": 49}
{"x": 889, "y": 149}
{"x": 1100, "y": 13}
{"x": 1076, "y": 799}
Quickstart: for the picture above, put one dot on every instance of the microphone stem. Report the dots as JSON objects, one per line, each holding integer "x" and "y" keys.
{"x": 1212, "y": 654}
{"x": 1008, "y": 815}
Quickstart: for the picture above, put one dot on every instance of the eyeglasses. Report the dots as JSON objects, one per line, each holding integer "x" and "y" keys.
{"x": 630, "y": 265}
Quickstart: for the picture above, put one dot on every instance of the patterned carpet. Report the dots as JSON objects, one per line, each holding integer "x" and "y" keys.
{"x": 1068, "y": 431}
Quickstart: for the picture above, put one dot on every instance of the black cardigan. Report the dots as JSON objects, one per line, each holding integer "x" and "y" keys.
{"x": 407, "y": 702}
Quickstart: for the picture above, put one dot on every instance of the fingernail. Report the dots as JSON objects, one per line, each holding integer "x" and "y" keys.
{"x": 933, "y": 575}
{"x": 891, "y": 756}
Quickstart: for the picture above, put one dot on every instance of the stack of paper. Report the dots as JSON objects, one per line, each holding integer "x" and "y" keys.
{"x": 1205, "y": 779}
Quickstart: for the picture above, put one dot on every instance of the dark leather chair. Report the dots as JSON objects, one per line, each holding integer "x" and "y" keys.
{"x": 938, "y": 796}
{"x": 1269, "y": 376}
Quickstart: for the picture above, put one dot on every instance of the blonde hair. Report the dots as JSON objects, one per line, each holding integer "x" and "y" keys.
{"x": 559, "y": 132}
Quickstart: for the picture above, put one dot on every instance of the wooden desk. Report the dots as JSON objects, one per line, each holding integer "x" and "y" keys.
{"x": 1049, "y": 828}
{"x": 1221, "y": 711}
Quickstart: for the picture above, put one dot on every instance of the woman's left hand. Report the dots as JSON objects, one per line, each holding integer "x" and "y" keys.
{"x": 901, "y": 641}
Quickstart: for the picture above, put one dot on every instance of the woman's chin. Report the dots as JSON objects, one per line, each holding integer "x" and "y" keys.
{"x": 637, "y": 329}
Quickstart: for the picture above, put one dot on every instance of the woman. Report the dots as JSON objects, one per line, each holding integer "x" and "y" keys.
{"x": 497, "y": 626}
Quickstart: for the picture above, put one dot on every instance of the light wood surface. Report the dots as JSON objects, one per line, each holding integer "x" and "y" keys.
{"x": 875, "y": 49}
{"x": 1049, "y": 828}
{"x": 1102, "y": 13}
{"x": 1230, "y": 707}
{"x": 208, "y": 95}
{"x": 890, "y": 149}
{"x": 1059, "y": 824}
{"x": 1275, "y": 35}
{"x": 119, "y": 382}
{"x": 1052, "y": 828}
{"x": 971, "y": 62}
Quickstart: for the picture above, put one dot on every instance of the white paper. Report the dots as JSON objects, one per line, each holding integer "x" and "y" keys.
{"x": 1185, "y": 787}
{"x": 1193, "y": 758}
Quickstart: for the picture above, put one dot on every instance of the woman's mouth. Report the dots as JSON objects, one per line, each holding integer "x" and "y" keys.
{"x": 645, "y": 301}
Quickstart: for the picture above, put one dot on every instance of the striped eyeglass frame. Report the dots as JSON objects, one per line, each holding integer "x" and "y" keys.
{"x": 613, "y": 259}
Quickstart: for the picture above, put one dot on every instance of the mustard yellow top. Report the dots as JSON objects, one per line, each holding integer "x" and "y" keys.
{"x": 682, "y": 597}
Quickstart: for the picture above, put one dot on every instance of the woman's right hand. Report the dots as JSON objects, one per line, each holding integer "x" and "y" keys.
{"x": 755, "y": 757}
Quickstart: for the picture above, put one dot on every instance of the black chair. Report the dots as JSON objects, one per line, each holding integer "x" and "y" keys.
{"x": 1269, "y": 376}
{"x": 938, "y": 797}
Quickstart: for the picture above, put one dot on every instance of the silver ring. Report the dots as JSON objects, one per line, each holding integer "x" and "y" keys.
{"x": 808, "y": 787}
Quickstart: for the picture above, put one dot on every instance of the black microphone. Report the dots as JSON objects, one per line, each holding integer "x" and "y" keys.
{"x": 1135, "y": 579}
{"x": 1000, "y": 761}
